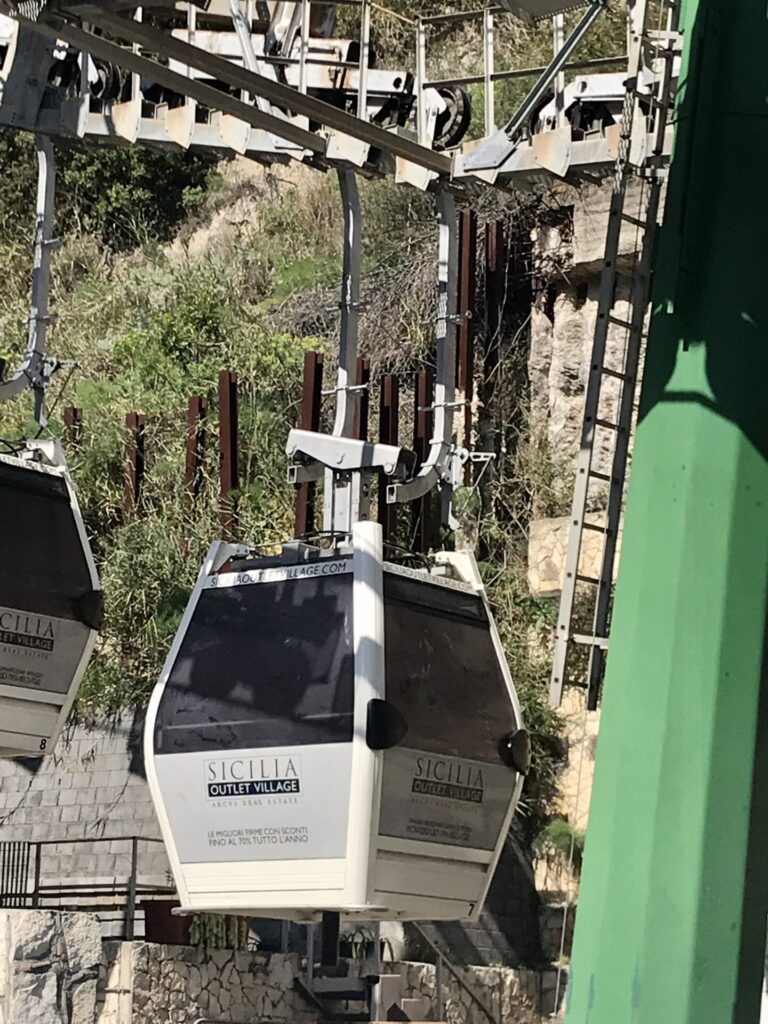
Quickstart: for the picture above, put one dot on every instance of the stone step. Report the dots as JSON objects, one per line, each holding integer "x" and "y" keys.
{"x": 390, "y": 991}
{"x": 416, "y": 1009}
{"x": 341, "y": 988}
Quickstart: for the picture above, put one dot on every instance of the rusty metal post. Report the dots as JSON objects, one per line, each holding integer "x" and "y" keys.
{"x": 495, "y": 285}
{"x": 228, "y": 451}
{"x": 467, "y": 295}
{"x": 73, "y": 424}
{"x": 135, "y": 424}
{"x": 422, "y": 432}
{"x": 311, "y": 401}
{"x": 495, "y": 273}
{"x": 362, "y": 405}
{"x": 389, "y": 433}
{"x": 195, "y": 451}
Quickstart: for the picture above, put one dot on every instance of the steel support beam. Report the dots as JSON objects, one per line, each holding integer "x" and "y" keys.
{"x": 674, "y": 893}
{"x": 467, "y": 313}
{"x": 493, "y": 151}
{"x": 341, "y": 494}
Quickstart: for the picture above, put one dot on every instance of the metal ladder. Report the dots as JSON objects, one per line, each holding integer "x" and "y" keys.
{"x": 651, "y": 67}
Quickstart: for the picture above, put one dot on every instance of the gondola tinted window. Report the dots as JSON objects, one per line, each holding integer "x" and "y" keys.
{"x": 43, "y": 566}
{"x": 262, "y": 665}
{"x": 443, "y": 673}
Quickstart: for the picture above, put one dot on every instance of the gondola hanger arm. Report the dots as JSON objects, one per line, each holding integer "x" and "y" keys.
{"x": 36, "y": 368}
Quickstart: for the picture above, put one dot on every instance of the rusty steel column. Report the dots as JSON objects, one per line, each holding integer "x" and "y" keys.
{"x": 135, "y": 424}
{"x": 362, "y": 405}
{"x": 311, "y": 402}
{"x": 494, "y": 286}
{"x": 73, "y": 424}
{"x": 389, "y": 433}
{"x": 195, "y": 450}
{"x": 228, "y": 452}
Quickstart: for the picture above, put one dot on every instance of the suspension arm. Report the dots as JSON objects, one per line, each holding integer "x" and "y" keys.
{"x": 35, "y": 369}
{"x": 436, "y": 469}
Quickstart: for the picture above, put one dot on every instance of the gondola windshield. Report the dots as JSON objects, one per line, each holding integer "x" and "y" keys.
{"x": 260, "y": 666}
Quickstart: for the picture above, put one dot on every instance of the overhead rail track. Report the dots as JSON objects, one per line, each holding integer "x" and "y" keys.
{"x": 262, "y": 114}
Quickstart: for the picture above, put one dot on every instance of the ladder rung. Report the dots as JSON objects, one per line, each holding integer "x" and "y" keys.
{"x": 615, "y": 373}
{"x": 618, "y": 322}
{"x": 590, "y": 641}
{"x": 595, "y": 527}
{"x": 633, "y": 220}
{"x": 607, "y": 424}
{"x": 600, "y": 476}
{"x": 587, "y": 579}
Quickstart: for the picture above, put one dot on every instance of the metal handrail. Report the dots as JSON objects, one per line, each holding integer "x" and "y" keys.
{"x": 442, "y": 958}
{"x": 127, "y": 890}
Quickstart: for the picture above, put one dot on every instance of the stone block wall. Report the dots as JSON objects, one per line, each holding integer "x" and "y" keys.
{"x": 54, "y": 969}
{"x": 91, "y": 788}
{"x": 49, "y": 967}
{"x": 180, "y": 984}
{"x": 488, "y": 995}
{"x": 547, "y": 542}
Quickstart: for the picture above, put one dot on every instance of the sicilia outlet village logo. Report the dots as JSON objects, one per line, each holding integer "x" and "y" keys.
{"x": 449, "y": 780}
{"x": 25, "y": 629}
{"x": 253, "y": 776}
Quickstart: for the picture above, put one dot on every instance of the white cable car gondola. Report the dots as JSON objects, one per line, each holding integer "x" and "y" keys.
{"x": 50, "y": 599}
{"x": 332, "y": 732}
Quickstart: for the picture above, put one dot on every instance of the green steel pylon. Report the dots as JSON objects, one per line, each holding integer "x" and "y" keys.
{"x": 671, "y": 918}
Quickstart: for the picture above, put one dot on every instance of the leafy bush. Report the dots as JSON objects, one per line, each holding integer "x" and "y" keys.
{"x": 121, "y": 194}
{"x": 560, "y": 839}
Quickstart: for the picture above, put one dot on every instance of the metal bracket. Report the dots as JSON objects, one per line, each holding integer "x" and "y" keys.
{"x": 492, "y": 152}
{"x": 341, "y": 455}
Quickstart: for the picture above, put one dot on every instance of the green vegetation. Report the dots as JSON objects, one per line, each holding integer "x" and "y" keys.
{"x": 559, "y": 839}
